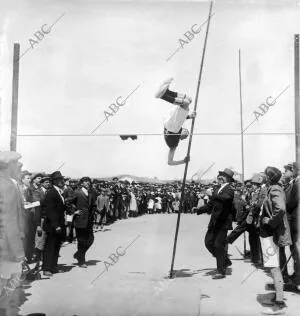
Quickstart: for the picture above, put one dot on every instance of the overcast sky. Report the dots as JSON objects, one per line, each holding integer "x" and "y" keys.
{"x": 99, "y": 51}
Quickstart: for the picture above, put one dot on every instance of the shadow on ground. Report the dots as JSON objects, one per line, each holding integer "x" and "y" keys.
{"x": 10, "y": 304}
{"x": 92, "y": 262}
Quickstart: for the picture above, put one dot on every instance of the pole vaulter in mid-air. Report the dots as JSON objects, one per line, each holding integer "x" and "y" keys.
{"x": 173, "y": 131}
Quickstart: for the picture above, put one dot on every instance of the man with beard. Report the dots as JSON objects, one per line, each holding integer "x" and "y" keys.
{"x": 220, "y": 206}
{"x": 85, "y": 203}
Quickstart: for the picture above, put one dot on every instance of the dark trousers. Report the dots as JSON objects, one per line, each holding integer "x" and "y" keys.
{"x": 254, "y": 241}
{"x": 51, "y": 251}
{"x": 85, "y": 239}
{"x": 118, "y": 209}
{"x": 215, "y": 242}
{"x": 29, "y": 240}
{"x": 294, "y": 251}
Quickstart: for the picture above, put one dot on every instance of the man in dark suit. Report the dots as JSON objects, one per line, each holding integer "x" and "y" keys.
{"x": 85, "y": 203}
{"x": 221, "y": 208}
{"x": 118, "y": 204}
{"x": 53, "y": 220}
{"x": 292, "y": 207}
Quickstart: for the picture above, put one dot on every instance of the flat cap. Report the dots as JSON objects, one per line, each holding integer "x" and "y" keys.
{"x": 45, "y": 178}
{"x": 257, "y": 178}
{"x": 36, "y": 175}
{"x": 25, "y": 173}
{"x": 83, "y": 179}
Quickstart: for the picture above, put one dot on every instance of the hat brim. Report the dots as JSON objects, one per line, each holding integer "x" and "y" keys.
{"x": 222, "y": 173}
{"x": 45, "y": 179}
{"x": 57, "y": 178}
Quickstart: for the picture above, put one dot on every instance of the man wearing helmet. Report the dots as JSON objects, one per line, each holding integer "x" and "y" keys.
{"x": 173, "y": 131}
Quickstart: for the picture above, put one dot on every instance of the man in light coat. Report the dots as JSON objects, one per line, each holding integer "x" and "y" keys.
{"x": 12, "y": 222}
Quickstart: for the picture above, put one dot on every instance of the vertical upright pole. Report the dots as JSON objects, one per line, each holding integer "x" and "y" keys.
{"x": 242, "y": 131}
{"x": 297, "y": 102}
{"x": 297, "y": 121}
{"x": 15, "y": 93}
{"x": 241, "y": 114}
{"x": 190, "y": 143}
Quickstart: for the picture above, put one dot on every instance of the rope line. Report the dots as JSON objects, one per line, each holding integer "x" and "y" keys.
{"x": 154, "y": 134}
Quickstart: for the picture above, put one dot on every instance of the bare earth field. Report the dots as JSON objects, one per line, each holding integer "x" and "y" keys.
{"x": 137, "y": 284}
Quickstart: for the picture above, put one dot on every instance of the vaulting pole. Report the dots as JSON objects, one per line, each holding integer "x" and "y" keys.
{"x": 242, "y": 131}
{"x": 297, "y": 120}
{"x": 190, "y": 143}
{"x": 297, "y": 102}
{"x": 15, "y": 93}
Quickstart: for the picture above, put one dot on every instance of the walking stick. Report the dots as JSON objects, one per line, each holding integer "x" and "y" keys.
{"x": 289, "y": 258}
{"x": 190, "y": 143}
{"x": 244, "y": 244}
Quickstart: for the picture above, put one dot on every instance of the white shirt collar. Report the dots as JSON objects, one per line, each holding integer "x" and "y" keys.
{"x": 222, "y": 186}
{"x": 59, "y": 190}
{"x": 85, "y": 191}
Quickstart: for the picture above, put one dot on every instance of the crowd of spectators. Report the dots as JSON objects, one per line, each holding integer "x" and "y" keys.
{"x": 111, "y": 200}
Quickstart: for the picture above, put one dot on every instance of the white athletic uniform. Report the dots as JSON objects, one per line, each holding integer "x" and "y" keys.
{"x": 270, "y": 252}
{"x": 176, "y": 119}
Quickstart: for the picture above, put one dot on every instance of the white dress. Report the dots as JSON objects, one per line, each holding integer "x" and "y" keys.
{"x": 133, "y": 205}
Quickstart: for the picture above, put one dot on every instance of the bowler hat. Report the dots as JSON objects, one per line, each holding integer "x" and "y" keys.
{"x": 36, "y": 175}
{"x": 228, "y": 173}
{"x": 56, "y": 175}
